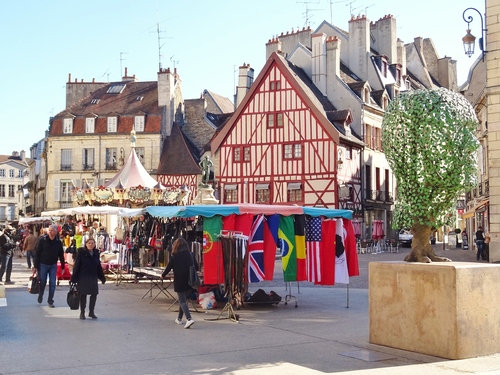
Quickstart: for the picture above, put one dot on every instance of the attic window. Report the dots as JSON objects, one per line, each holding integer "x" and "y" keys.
{"x": 95, "y": 101}
{"x": 116, "y": 89}
{"x": 139, "y": 98}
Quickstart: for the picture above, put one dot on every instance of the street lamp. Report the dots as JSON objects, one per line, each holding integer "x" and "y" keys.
{"x": 469, "y": 39}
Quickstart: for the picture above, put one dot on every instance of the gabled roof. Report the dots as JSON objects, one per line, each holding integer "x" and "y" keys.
{"x": 132, "y": 174}
{"x": 179, "y": 156}
{"x": 221, "y": 103}
{"x": 305, "y": 88}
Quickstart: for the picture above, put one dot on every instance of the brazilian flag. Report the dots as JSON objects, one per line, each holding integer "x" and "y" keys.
{"x": 286, "y": 236}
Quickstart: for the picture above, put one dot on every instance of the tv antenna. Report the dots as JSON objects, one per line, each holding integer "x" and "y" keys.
{"x": 106, "y": 73}
{"x": 121, "y": 59}
{"x": 308, "y": 10}
{"x": 174, "y": 61}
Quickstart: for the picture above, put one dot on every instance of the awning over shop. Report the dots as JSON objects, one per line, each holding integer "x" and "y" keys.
{"x": 470, "y": 213}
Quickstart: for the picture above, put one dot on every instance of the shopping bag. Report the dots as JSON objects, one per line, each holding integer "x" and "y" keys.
{"x": 34, "y": 284}
{"x": 73, "y": 297}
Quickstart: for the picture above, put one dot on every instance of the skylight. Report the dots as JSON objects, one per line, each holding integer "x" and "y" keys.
{"x": 116, "y": 88}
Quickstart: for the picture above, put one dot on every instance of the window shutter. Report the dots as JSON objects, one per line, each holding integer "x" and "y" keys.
{"x": 57, "y": 190}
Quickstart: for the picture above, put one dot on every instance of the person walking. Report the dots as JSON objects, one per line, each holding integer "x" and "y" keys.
{"x": 86, "y": 271}
{"x": 7, "y": 246}
{"x": 48, "y": 250}
{"x": 480, "y": 244}
{"x": 180, "y": 261}
{"x": 29, "y": 247}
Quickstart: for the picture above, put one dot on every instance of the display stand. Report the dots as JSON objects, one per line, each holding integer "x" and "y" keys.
{"x": 289, "y": 296}
{"x": 234, "y": 250}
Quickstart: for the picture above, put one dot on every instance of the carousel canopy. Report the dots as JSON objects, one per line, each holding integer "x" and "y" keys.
{"x": 132, "y": 174}
{"x": 239, "y": 209}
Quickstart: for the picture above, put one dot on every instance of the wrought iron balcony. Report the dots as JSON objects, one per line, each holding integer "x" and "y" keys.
{"x": 65, "y": 167}
{"x": 110, "y": 166}
{"x": 88, "y": 167}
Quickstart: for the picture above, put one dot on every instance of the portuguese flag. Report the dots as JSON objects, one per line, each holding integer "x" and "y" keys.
{"x": 213, "y": 264}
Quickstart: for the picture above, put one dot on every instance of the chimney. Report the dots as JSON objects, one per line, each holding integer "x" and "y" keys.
{"x": 273, "y": 45}
{"x": 332, "y": 65}
{"x": 419, "y": 45}
{"x": 401, "y": 52}
{"x": 359, "y": 46}
{"x": 385, "y": 37}
{"x": 319, "y": 61}
{"x": 166, "y": 86}
{"x": 245, "y": 80}
{"x": 127, "y": 78}
{"x": 23, "y": 155}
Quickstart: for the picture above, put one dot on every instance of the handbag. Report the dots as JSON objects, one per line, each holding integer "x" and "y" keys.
{"x": 73, "y": 298}
{"x": 194, "y": 280}
{"x": 34, "y": 284}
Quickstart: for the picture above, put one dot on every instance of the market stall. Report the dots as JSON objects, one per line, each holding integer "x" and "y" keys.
{"x": 316, "y": 244}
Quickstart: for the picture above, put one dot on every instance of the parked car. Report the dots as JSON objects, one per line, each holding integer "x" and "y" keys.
{"x": 405, "y": 237}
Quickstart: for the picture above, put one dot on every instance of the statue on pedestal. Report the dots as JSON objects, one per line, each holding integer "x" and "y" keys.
{"x": 205, "y": 165}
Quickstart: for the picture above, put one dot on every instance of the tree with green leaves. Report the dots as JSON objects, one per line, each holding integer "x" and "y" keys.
{"x": 429, "y": 140}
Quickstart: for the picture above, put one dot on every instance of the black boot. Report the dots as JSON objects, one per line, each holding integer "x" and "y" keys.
{"x": 83, "y": 304}
{"x": 92, "y": 301}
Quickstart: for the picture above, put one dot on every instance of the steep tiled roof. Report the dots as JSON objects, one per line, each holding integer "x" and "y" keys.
{"x": 221, "y": 103}
{"x": 137, "y": 98}
{"x": 179, "y": 156}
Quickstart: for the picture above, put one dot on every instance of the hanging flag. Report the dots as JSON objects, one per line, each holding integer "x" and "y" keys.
{"x": 300, "y": 244}
{"x": 256, "y": 250}
{"x": 350, "y": 248}
{"x": 327, "y": 252}
{"x": 213, "y": 264}
{"x": 287, "y": 246}
{"x": 271, "y": 244}
{"x": 341, "y": 273}
{"x": 313, "y": 241}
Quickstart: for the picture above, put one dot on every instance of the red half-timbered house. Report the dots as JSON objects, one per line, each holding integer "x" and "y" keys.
{"x": 287, "y": 144}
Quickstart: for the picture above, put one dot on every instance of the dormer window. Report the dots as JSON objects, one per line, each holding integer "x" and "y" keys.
{"x": 139, "y": 123}
{"x": 89, "y": 125}
{"x": 116, "y": 88}
{"x": 384, "y": 67}
{"x": 366, "y": 95}
{"x": 385, "y": 102}
{"x": 68, "y": 126}
{"x": 112, "y": 124}
{"x": 95, "y": 101}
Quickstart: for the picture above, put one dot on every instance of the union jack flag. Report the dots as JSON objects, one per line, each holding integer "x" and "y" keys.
{"x": 256, "y": 250}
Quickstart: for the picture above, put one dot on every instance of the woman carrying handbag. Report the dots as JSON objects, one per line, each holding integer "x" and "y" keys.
{"x": 180, "y": 261}
{"x": 86, "y": 272}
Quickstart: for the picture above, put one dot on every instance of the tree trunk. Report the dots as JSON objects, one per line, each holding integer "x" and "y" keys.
{"x": 421, "y": 249}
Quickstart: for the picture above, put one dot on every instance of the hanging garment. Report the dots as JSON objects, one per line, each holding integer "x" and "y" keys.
{"x": 341, "y": 273}
{"x": 350, "y": 248}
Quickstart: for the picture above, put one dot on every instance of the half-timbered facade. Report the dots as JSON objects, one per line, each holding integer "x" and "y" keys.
{"x": 280, "y": 146}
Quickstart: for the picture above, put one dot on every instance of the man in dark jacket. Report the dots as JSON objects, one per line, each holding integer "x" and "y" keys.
{"x": 7, "y": 246}
{"x": 49, "y": 248}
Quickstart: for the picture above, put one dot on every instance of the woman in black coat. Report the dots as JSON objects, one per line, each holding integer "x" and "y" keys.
{"x": 180, "y": 261}
{"x": 86, "y": 271}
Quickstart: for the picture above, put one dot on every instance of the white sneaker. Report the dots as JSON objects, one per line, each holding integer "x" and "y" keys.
{"x": 177, "y": 321}
{"x": 189, "y": 323}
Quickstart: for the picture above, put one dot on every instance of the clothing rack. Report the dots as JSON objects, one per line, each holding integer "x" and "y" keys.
{"x": 234, "y": 251}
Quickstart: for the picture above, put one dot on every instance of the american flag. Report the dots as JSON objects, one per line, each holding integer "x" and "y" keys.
{"x": 256, "y": 250}
{"x": 313, "y": 240}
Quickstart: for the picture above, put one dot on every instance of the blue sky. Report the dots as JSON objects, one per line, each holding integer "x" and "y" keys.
{"x": 44, "y": 41}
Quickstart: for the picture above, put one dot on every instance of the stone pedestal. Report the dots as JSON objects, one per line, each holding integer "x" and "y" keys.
{"x": 205, "y": 195}
{"x": 448, "y": 310}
